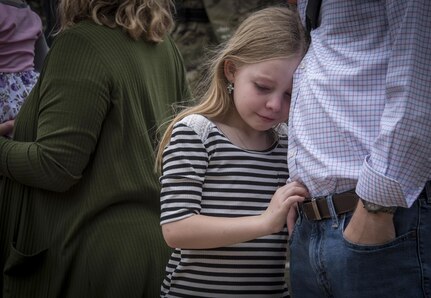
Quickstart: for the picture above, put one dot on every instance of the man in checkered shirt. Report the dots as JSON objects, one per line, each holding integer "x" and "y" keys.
{"x": 359, "y": 139}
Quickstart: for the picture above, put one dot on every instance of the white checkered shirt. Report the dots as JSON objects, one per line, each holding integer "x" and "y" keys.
{"x": 361, "y": 103}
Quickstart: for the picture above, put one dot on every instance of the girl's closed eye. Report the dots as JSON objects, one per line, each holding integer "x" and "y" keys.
{"x": 261, "y": 87}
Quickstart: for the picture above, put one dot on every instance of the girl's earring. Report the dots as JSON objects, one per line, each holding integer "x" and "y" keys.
{"x": 230, "y": 88}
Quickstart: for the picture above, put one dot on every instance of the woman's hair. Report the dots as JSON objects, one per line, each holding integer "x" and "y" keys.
{"x": 270, "y": 33}
{"x": 148, "y": 19}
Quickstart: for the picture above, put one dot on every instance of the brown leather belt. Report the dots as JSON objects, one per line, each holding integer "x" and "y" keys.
{"x": 317, "y": 208}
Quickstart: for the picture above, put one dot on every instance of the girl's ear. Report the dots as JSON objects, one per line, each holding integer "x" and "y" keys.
{"x": 229, "y": 70}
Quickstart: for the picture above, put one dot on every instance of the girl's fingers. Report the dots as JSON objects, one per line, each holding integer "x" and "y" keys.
{"x": 293, "y": 188}
{"x": 290, "y": 201}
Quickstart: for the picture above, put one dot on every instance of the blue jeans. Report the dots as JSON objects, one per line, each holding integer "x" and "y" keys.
{"x": 324, "y": 264}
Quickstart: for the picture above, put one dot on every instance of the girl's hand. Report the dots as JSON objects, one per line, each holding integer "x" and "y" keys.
{"x": 206, "y": 232}
{"x": 284, "y": 198}
{"x": 6, "y": 128}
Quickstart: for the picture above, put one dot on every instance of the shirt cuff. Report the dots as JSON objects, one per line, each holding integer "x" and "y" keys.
{"x": 379, "y": 189}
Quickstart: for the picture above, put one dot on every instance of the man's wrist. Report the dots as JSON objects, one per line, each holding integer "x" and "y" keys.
{"x": 376, "y": 208}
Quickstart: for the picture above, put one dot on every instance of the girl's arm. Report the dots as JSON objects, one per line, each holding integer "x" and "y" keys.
{"x": 202, "y": 232}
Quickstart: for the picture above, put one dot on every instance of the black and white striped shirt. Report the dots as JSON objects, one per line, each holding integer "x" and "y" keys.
{"x": 204, "y": 173}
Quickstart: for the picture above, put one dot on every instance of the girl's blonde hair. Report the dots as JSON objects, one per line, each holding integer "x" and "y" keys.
{"x": 148, "y": 19}
{"x": 270, "y": 33}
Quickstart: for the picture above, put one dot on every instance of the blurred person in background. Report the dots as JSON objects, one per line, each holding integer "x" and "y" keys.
{"x": 22, "y": 51}
{"x": 203, "y": 24}
{"x": 79, "y": 200}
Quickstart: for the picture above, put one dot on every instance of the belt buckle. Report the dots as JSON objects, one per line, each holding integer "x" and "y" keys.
{"x": 316, "y": 208}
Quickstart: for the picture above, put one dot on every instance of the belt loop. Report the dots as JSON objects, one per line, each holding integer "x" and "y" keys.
{"x": 332, "y": 211}
{"x": 428, "y": 191}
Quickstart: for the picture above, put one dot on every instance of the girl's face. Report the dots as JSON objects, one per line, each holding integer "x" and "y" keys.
{"x": 262, "y": 91}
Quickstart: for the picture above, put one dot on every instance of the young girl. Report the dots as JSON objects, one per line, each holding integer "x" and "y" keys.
{"x": 224, "y": 201}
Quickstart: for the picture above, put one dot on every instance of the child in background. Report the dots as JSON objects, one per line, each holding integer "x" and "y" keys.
{"x": 224, "y": 198}
{"x": 20, "y": 30}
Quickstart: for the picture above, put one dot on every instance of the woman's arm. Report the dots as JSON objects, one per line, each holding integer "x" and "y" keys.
{"x": 61, "y": 120}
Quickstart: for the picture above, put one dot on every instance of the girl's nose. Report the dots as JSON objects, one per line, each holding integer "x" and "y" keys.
{"x": 274, "y": 103}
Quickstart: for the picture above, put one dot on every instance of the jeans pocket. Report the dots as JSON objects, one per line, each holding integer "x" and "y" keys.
{"x": 367, "y": 270}
{"x": 400, "y": 240}
{"x": 19, "y": 264}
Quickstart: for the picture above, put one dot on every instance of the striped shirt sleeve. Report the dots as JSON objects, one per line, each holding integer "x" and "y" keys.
{"x": 185, "y": 161}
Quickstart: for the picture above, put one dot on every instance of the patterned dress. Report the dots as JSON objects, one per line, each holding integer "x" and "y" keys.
{"x": 20, "y": 28}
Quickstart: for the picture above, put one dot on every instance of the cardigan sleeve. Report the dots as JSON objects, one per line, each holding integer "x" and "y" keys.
{"x": 72, "y": 102}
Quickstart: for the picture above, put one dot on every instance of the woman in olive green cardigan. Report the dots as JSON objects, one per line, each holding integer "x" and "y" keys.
{"x": 79, "y": 201}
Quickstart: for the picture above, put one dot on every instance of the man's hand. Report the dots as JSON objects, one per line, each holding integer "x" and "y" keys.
{"x": 368, "y": 228}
